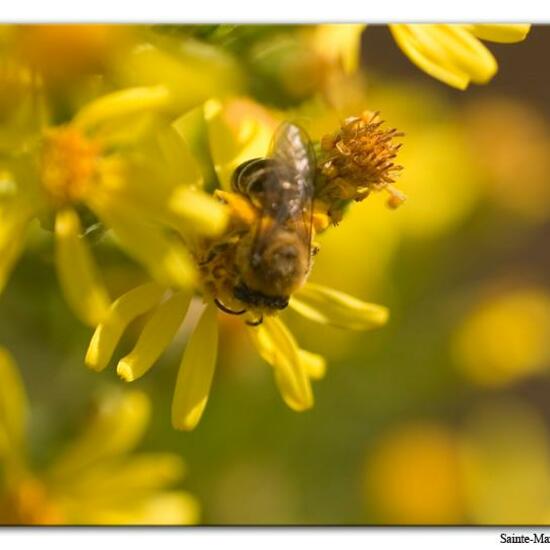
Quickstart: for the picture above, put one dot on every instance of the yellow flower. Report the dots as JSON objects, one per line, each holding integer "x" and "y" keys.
{"x": 339, "y": 44}
{"x": 293, "y": 367}
{"x": 97, "y": 479}
{"x": 503, "y": 338}
{"x": 236, "y": 133}
{"x": 493, "y": 469}
{"x": 454, "y": 53}
{"x": 505, "y": 463}
{"x": 120, "y": 162}
{"x": 62, "y": 55}
{"x": 413, "y": 476}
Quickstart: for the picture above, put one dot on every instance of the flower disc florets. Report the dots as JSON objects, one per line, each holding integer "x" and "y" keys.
{"x": 68, "y": 164}
{"x": 356, "y": 160}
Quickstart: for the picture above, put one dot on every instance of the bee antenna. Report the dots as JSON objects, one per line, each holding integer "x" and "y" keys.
{"x": 256, "y": 323}
{"x": 225, "y": 309}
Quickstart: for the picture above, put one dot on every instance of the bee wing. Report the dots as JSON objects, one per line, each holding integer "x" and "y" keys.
{"x": 292, "y": 183}
{"x": 288, "y": 187}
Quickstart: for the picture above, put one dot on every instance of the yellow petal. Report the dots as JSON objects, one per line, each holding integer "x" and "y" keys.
{"x": 238, "y": 130}
{"x": 122, "y": 103}
{"x": 199, "y": 212}
{"x": 466, "y": 52}
{"x": 159, "y": 508}
{"x": 115, "y": 428}
{"x": 332, "y": 307}
{"x": 171, "y": 508}
{"x": 13, "y": 228}
{"x": 77, "y": 272}
{"x": 428, "y": 55}
{"x": 192, "y": 129}
{"x": 125, "y": 478}
{"x": 341, "y": 42}
{"x": 13, "y": 408}
{"x": 500, "y": 32}
{"x": 162, "y": 254}
{"x": 314, "y": 363}
{"x": 196, "y": 372}
{"x": 122, "y": 312}
{"x": 155, "y": 337}
{"x": 277, "y": 346}
{"x": 193, "y": 71}
{"x": 179, "y": 157}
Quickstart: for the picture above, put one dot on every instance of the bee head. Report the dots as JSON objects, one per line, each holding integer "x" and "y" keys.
{"x": 277, "y": 268}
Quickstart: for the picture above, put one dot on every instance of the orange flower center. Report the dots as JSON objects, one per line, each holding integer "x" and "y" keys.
{"x": 68, "y": 164}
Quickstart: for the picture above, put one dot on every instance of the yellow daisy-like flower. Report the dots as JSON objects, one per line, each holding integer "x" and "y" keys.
{"x": 454, "y": 53}
{"x": 237, "y": 133}
{"x": 97, "y": 479}
{"x": 504, "y": 337}
{"x": 108, "y": 162}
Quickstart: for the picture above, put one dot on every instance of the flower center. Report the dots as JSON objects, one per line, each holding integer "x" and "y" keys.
{"x": 68, "y": 164}
{"x": 28, "y": 503}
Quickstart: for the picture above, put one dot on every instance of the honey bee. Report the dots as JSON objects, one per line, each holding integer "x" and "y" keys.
{"x": 274, "y": 258}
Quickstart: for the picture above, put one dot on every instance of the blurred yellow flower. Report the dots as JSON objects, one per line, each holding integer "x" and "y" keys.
{"x": 61, "y": 55}
{"x": 505, "y": 460}
{"x": 504, "y": 337}
{"x": 97, "y": 479}
{"x": 340, "y": 44}
{"x": 493, "y": 469}
{"x": 507, "y": 157}
{"x": 453, "y": 53}
{"x": 413, "y": 476}
{"x": 107, "y": 161}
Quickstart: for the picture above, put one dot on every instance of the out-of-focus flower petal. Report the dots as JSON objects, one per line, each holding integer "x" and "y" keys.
{"x": 123, "y": 479}
{"x": 453, "y": 53}
{"x": 78, "y": 275}
{"x": 340, "y": 43}
{"x": 196, "y": 372}
{"x": 13, "y": 408}
{"x": 115, "y": 428}
{"x": 467, "y": 52}
{"x": 159, "y": 508}
{"x": 179, "y": 157}
{"x": 277, "y": 346}
{"x": 199, "y": 212}
{"x": 13, "y": 228}
{"x": 122, "y": 312}
{"x": 155, "y": 337}
{"x": 413, "y": 476}
{"x": 504, "y": 33}
{"x": 314, "y": 363}
{"x": 332, "y": 307}
{"x": 504, "y": 337}
{"x": 505, "y": 459}
{"x": 238, "y": 130}
{"x": 166, "y": 258}
{"x": 192, "y": 71}
{"x": 428, "y": 56}
{"x": 119, "y": 104}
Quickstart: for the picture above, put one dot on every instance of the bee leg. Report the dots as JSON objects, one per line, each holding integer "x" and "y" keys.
{"x": 226, "y": 309}
{"x": 255, "y": 323}
{"x": 213, "y": 253}
{"x": 315, "y": 248}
